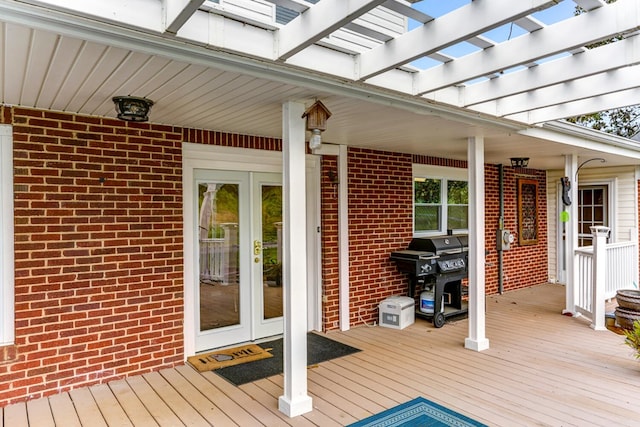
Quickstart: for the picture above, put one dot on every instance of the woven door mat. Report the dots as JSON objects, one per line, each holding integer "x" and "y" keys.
{"x": 228, "y": 357}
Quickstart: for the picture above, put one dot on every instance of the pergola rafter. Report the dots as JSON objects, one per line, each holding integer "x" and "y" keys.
{"x": 177, "y": 12}
{"x": 319, "y": 21}
{"x": 609, "y": 101}
{"x": 443, "y": 32}
{"x": 593, "y": 61}
{"x": 613, "y": 81}
{"x": 545, "y": 42}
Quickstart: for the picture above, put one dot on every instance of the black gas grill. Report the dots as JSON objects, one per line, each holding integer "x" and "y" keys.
{"x": 437, "y": 263}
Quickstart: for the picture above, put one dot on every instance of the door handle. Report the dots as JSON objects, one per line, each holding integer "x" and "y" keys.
{"x": 257, "y": 247}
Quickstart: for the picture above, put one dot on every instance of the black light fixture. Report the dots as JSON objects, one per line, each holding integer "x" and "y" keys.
{"x": 132, "y": 109}
{"x": 519, "y": 162}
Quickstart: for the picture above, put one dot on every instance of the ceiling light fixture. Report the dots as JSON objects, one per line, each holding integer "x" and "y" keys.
{"x": 132, "y": 109}
{"x": 519, "y": 162}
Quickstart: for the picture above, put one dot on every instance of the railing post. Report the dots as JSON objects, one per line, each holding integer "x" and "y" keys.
{"x": 599, "y": 234}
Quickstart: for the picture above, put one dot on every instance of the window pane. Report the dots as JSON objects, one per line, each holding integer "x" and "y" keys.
{"x": 218, "y": 204}
{"x": 598, "y": 214}
{"x": 598, "y": 196}
{"x": 457, "y": 193}
{"x": 457, "y": 217}
{"x": 427, "y": 218}
{"x": 427, "y": 190}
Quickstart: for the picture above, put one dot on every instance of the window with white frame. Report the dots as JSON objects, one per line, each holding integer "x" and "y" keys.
{"x": 440, "y": 200}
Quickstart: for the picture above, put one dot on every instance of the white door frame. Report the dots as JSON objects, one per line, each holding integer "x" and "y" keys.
{"x": 561, "y": 246}
{"x": 200, "y": 156}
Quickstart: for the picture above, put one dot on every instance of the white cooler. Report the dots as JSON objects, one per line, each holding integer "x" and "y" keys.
{"x": 397, "y": 312}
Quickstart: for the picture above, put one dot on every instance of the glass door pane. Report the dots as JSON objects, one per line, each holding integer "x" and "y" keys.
{"x": 272, "y": 250}
{"x": 219, "y": 280}
{"x": 267, "y": 260}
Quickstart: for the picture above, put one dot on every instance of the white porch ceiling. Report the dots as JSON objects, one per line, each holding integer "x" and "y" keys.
{"x": 207, "y": 65}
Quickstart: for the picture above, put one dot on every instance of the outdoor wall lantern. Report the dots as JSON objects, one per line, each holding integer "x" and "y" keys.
{"x": 519, "y": 162}
{"x": 132, "y": 109}
{"x": 317, "y": 116}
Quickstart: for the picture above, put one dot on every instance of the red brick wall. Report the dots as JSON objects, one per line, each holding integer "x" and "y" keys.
{"x": 380, "y": 221}
{"x": 98, "y": 251}
{"x": 330, "y": 258}
{"x": 98, "y": 248}
{"x": 523, "y": 266}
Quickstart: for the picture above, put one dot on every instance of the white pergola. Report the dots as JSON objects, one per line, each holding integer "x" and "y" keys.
{"x": 251, "y": 66}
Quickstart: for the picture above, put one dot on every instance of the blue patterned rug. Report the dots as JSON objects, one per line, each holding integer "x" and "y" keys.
{"x": 418, "y": 412}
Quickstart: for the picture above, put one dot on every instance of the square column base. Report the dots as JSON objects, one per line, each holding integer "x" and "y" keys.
{"x": 293, "y": 408}
{"x": 476, "y": 345}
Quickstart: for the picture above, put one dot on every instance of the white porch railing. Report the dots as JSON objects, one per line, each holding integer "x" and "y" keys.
{"x": 614, "y": 264}
{"x": 219, "y": 257}
{"x": 212, "y": 260}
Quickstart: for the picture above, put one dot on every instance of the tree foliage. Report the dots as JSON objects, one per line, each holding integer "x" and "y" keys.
{"x": 623, "y": 121}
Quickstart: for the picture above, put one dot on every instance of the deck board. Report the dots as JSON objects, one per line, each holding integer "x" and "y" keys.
{"x": 273, "y": 386}
{"x": 542, "y": 368}
{"x": 157, "y": 407}
{"x": 205, "y": 407}
{"x": 231, "y": 408}
{"x": 64, "y": 413}
{"x": 131, "y": 404}
{"x": 87, "y": 408}
{"x": 15, "y": 415}
{"x": 265, "y": 415}
{"x": 185, "y": 412}
{"x": 40, "y": 413}
{"x": 110, "y": 408}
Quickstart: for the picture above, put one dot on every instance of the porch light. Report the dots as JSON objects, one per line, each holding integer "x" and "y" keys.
{"x": 132, "y": 109}
{"x": 519, "y": 162}
{"x": 317, "y": 116}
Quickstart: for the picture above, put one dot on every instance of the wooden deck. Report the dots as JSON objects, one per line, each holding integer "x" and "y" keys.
{"x": 542, "y": 369}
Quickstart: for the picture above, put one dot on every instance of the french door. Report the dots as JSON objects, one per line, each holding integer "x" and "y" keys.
{"x": 239, "y": 281}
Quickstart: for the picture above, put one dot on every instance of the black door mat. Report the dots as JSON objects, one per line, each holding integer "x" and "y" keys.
{"x": 319, "y": 349}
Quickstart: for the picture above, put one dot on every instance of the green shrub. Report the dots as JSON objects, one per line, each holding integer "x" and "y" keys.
{"x": 633, "y": 338}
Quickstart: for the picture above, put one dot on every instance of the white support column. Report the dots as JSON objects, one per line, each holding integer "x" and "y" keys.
{"x": 475, "y": 157}
{"x": 599, "y": 266}
{"x": 571, "y": 240}
{"x": 7, "y": 272}
{"x": 295, "y": 400}
{"x": 343, "y": 238}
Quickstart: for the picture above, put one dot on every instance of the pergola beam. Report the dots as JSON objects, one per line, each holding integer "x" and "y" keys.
{"x": 593, "y": 86}
{"x": 178, "y": 12}
{"x": 317, "y": 22}
{"x": 594, "y": 104}
{"x": 593, "y": 61}
{"x": 605, "y": 22}
{"x": 454, "y": 27}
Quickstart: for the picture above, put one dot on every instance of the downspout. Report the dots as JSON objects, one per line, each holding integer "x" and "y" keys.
{"x": 500, "y": 227}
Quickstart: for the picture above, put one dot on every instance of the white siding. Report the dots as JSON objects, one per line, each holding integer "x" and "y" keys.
{"x": 624, "y": 214}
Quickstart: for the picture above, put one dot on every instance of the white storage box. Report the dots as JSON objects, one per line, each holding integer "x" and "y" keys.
{"x": 397, "y": 312}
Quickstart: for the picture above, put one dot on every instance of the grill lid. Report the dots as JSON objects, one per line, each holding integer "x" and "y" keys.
{"x": 412, "y": 254}
{"x": 439, "y": 245}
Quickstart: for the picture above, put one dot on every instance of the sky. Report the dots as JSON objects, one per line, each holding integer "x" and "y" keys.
{"x": 436, "y": 8}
